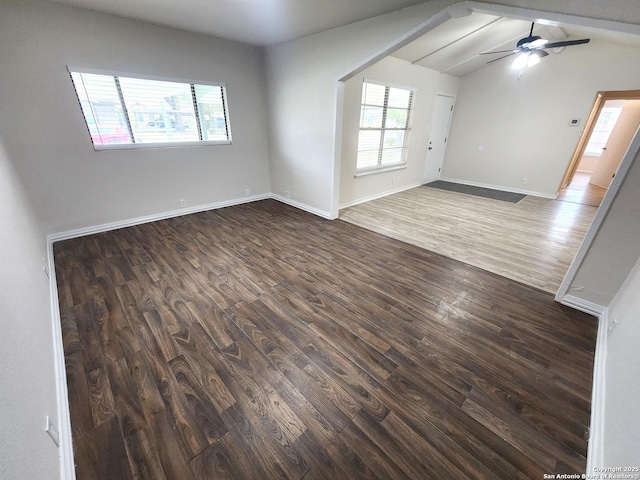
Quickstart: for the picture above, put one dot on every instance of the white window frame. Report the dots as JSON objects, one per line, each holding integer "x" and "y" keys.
{"x": 128, "y": 146}
{"x": 379, "y": 168}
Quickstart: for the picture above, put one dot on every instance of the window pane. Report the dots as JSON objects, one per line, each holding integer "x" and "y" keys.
{"x": 394, "y": 138}
{"x": 384, "y": 118}
{"x": 399, "y": 97}
{"x": 159, "y": 111}
{"x": 373, "y": 94}
{"x": 368, "y": 148}
{"x": 211, "y": 111}
{"x": 101, "y": 108}
{"x": 369, "y": 140}
{"x": 392, "y": 156}
{"x": 367, "y": 158}
{"x": 371, "y": 117}
{"x": 396, "y": 118}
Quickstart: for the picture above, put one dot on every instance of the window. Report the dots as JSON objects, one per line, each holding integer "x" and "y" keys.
{"x": 128, "y": 112}
{"x": 603, "y": 128}
{"x": 384, "y": 125}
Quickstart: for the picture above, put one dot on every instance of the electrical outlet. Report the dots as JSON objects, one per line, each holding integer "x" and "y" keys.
{"x": 183, "y": 203}
{"x": 51, "y": 429}
{"x": 247, "y": 192}
{"x": 524, "y": 181}
{"x": 287, "y": 194}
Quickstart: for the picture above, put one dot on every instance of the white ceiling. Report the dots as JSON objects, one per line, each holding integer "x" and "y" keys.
{"x": 455, "y": 46}
{"x": 257, "y": 22}
{"x": 452, "y": 47}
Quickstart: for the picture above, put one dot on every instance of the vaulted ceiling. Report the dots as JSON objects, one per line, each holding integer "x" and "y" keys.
{"x": 455, "y": 47}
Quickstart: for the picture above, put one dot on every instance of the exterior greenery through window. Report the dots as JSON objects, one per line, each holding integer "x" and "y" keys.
{"x": 128, "y": 112}
{"x": 384, "y": 125}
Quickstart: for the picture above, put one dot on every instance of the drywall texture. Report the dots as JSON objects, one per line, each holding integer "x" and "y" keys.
{"x": 27, "y": 379}
{"x": 505, "y": 130}
{"x": 622, "y": 422}
{"x": 73, "y": 186}
{"x": 395, "y": 72}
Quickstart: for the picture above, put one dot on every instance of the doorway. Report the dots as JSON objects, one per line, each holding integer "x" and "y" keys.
{"x": 438, "y": 133}
{"x": 614, "y": 119}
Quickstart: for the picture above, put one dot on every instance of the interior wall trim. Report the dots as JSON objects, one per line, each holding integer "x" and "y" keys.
{"x": 595, "y": 448}
{"x": 303, "y": 206}
{"x": 67, "y": 464}
{"x": 105, "y": 227}
{"x": 583, "y": 305}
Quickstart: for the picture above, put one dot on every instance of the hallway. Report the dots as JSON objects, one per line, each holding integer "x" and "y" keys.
{"x": 582, "y": 192}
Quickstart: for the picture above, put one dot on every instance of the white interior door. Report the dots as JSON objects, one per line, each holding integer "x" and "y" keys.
{"x": 440, "y": 122}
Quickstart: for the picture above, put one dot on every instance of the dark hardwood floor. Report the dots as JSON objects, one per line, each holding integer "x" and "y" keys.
{"x": 259, "y": 342}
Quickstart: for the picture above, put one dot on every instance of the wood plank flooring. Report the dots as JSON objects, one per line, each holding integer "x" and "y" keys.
{"x": 260, "y": 342}
{"x": 581, "y": 191}
{"x": 533, "y": 241}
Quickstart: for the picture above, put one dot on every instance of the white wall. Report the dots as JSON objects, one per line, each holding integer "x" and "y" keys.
{"x": 524, "y": 125}
{"x": 588, "y": 164}
{"x": 396, "y": 72}
{"x": 622, "y": 422}
{"x": 302, "y": 83}
{"x": 27, "y": 379}
{"x": 73, "y": 186}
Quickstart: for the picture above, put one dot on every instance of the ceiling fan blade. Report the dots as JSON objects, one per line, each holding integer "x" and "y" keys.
{"x": 540, "y": 53}
{"x": 500, "y": 58}
{"x": 566, "y": 43}
{"x": 500, "y": 51}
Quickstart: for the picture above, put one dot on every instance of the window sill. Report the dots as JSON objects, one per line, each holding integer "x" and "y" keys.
{"x": 138, "y": 146}
{"x": 387, "y": 168}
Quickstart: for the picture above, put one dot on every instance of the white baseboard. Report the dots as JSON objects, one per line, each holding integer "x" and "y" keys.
{"x": 595, "y": 449}
{"x": 302, "y": 206}
{"x": 498, "y": 187}
{"x": 378, "y": 195}
{"x": 67, "y": 464}
{"x": 105, "y": 227}
{"x": 582, "y": 305}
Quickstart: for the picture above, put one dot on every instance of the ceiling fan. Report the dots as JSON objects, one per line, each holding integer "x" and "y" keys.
{"x": 532, "y": 49}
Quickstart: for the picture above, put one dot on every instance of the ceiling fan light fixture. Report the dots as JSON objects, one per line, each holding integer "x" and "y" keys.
{"x": 533, "y": 60}
{"x": 521, "y": 61}
{"x": 525, "y": 60}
